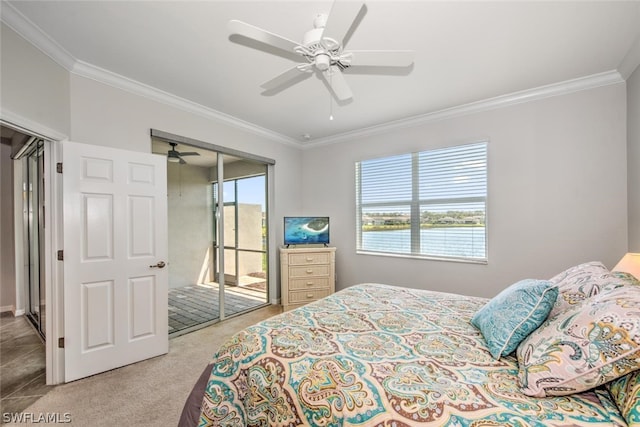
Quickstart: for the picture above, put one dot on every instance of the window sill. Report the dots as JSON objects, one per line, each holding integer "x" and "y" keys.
{"x": 424, "y": 257}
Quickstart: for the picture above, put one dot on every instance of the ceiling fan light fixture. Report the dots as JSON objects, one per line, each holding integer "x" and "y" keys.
{"x": 173, "y": 156}
{"x": 323, "y": 61}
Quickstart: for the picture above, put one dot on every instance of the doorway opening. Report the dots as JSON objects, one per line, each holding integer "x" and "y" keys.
{"x": 22, "y": 273}
{"x": 26, "y": 165}
{"x": 218, "y": 233}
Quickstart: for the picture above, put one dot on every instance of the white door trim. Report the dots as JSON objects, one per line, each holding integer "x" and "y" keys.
{"x": 53, "y": 240}
{"x": 54, "y": 299}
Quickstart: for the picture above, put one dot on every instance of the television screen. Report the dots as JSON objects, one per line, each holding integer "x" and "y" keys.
{"x": 301, "y": 230}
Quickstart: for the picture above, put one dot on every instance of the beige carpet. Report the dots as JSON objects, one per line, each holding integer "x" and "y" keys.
{"x": 148, "y": 393}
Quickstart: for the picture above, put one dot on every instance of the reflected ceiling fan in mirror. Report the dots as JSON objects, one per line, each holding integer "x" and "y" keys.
{"x": 323, "y": 49}
{"x": 175, "y": 156}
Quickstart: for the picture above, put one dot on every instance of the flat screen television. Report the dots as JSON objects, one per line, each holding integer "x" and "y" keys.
{"x": 304, "y": 230}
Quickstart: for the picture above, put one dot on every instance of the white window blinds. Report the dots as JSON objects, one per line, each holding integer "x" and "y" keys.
{"x": 430, "y": 204}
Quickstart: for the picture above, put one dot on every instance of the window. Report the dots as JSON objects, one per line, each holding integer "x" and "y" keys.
{"x": 430, "y": 204}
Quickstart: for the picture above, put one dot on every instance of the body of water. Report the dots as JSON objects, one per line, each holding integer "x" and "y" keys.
{"x": 466, "y": 242}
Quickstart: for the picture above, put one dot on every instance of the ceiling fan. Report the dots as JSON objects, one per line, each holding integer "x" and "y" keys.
{"x": 323, "y": 49}
{"x": 175, "y": 156}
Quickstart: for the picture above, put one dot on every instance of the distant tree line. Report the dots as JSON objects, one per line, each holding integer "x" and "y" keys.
{"x": 396, "y": 220}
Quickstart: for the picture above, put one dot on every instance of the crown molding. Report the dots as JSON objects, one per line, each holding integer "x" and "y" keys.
{"x": 34, "y": 35}
{"x": 109, "y": 78}
{"x": 542, "y": 92}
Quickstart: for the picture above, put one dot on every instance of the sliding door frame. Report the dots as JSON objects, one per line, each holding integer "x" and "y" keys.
{"x": 168, "y": 137}
{"x": 221, "y": 151}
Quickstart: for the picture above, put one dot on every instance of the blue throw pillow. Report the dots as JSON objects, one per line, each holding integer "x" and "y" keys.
{"x": 514, "y": 313}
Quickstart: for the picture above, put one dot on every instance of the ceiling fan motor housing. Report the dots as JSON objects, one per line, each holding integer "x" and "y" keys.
{"x": 312, "y": 37}
{"x": 320, "y": 51}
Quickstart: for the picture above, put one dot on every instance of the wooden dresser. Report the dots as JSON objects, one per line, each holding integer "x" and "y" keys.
{"x": 306, "y": 274}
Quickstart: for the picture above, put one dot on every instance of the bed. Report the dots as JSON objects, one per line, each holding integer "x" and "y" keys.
{"x": 381, "y": 355}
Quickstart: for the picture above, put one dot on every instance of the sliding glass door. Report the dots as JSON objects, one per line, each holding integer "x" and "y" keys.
{"x": 218, "y": 228}
{"x": 245, "y": 240}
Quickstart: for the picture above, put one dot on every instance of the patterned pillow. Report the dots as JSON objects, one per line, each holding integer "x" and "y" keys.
{"x": 580, "y": 283}
{"x": 514, "y": 313}
{"x": 584, "y": 346}
{"x": 625, "y": 392}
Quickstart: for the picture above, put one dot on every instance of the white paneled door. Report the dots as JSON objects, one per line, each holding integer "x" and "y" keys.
{"x": 115, "y": 251}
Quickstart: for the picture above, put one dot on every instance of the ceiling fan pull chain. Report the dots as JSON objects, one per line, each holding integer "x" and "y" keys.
{"x": 330, "y": 98}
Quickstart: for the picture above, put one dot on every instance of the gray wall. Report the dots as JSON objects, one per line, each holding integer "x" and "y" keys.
{"x": 32, "y": 85}
{"x": 633, "y": 158}
{"x": 36, "y": 89}
{"x": 556, "y": 197}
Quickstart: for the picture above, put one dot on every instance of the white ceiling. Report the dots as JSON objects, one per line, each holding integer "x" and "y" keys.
{"x": 464, "y": 52}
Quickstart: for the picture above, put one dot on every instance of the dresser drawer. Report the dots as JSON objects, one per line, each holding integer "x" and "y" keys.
{"x": 311, "y": 282}
{"x": 309, "y": 258}
{"x": 308, "y": 271}
{"x": 296, "y": 297}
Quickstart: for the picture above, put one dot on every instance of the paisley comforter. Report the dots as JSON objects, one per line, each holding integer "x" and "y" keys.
{"x": 378, "y": 355}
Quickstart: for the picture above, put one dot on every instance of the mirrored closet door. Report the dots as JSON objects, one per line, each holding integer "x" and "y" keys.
{"x": 32, "y": 158}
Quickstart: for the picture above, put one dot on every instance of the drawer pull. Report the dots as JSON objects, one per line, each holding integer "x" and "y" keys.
{"x": 309, "y": 259}
{"x": 309, "y": 271}
{"x": 309, "y": 295}
{"x": 309, "y": 283}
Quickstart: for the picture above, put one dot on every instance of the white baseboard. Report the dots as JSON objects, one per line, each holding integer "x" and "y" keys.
{"x": 12, "y": 309}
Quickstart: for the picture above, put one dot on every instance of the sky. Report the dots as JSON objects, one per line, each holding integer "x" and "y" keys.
{"x": 250, "y": 190}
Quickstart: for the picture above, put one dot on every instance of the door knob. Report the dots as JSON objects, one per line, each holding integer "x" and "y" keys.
{"x": 161, "y": 264}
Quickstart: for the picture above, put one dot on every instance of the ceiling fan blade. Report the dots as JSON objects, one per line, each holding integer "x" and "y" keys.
{"x": 380, "y": 58}
{"x": 341, "y": 17}
{"x": 283, "y": 78}
{"x": 263, "y": 36}
{"x": 338, "y": 84}
{"x": 189, "y": 153}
